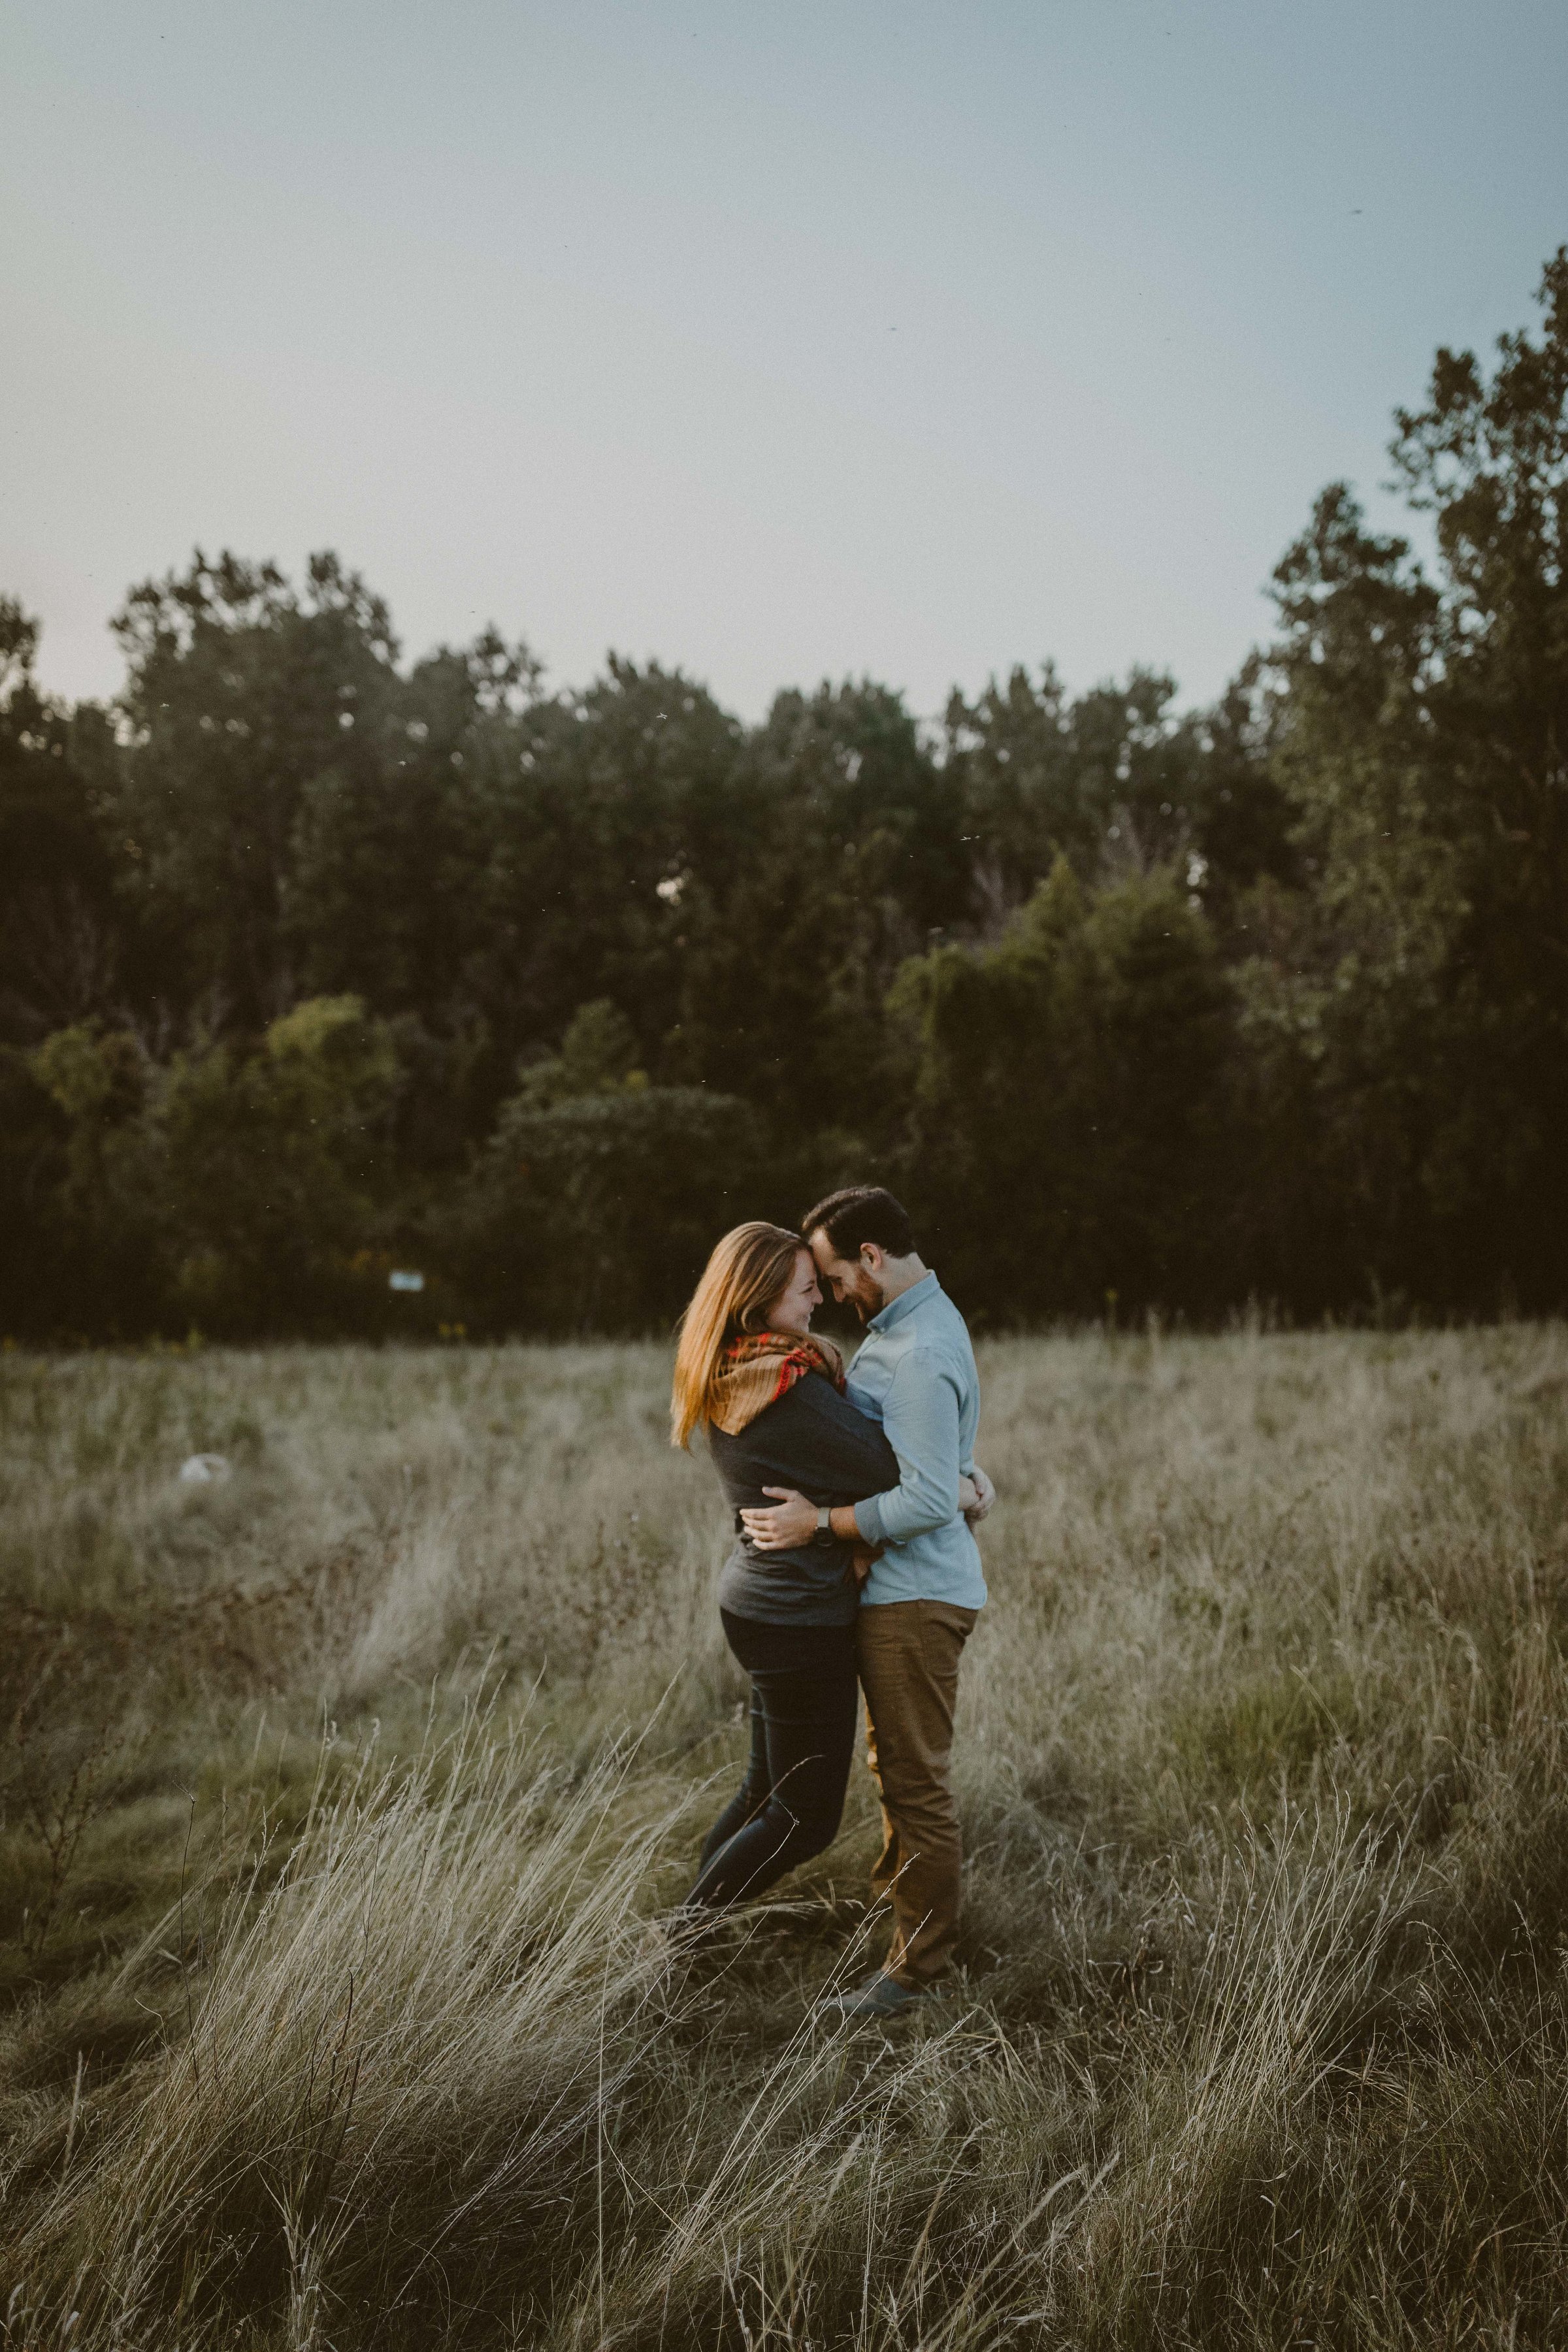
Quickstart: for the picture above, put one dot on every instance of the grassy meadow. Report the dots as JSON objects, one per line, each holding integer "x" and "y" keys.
{"x": 340, "y": 1801}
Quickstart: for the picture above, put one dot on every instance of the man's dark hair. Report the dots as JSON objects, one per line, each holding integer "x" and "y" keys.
{"x": 861, "y": 1212}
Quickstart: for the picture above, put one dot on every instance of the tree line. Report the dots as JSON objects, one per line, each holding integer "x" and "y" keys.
{"x": 317, "y": 965}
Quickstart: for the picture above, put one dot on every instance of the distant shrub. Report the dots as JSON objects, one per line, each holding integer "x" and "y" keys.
{"x": 236, "y": 1189}
{"x": 1067, "y": 1087}
{"x": 273, "y": 1164}
{"x": 597, "y": 1214}
{"x": 85, "y": 1154}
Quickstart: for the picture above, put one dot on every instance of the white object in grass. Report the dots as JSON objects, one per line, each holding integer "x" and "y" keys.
{"x": 204, "y": 1469}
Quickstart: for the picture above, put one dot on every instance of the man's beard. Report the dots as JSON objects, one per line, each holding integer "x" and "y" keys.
{"x": 870, "y": 1301}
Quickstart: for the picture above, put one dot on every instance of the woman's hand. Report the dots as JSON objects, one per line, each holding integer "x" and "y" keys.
{"x": 784, "y": 1528}
{"x": 792, "y": 1521}
{"x": 985, "y": 1496}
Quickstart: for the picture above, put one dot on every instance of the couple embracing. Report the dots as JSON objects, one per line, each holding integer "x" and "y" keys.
{"x": 854, "y": 1558}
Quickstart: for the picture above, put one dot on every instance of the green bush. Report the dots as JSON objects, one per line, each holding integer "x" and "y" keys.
{"x": 231, "y": 1188}
{"x": 1062, "y": 1153}
{"x": 598, "y": 1213}
{"x": 274, "y": 1163}
{"x": 86, "y": 1153}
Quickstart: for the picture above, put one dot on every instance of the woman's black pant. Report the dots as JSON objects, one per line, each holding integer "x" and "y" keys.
{"x": 804, "y": 1720}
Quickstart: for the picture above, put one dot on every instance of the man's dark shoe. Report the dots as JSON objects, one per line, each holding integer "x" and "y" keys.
{"x": 881, "y": 1996}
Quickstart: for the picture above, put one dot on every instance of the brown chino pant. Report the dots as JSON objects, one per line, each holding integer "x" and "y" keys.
{"x": 908, "y": 1655}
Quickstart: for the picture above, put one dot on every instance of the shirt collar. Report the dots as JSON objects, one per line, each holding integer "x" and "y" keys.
{"x": 905, "y": 1303}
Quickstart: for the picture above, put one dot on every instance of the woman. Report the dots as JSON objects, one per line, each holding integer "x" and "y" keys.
{"x": 772, "y": 1399}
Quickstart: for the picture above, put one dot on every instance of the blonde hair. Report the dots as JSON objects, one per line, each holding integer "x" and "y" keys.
{"x": 746, "y": 1273}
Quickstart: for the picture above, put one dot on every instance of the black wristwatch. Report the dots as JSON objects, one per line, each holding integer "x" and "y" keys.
{"x": 823, "y": 1535}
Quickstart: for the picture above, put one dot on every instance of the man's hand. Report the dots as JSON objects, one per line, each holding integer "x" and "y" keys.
{"x": 985, "y": 1495}
{"x": 784, "y": 1528}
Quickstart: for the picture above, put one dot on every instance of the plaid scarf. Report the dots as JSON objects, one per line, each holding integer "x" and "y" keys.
{"x": 755, "y": 1370}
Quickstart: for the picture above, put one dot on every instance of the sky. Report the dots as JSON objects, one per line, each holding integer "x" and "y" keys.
{"x": 775, "y": 339}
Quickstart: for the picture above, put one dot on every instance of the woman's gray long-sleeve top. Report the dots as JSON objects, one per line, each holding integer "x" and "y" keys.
{"x": 812, "y": 1439}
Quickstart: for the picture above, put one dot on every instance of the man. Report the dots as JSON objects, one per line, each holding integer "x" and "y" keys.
{"x": 915, "y": 1374}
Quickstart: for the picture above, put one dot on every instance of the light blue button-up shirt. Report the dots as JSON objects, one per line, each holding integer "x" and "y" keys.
{"x": 915, "y": 1374}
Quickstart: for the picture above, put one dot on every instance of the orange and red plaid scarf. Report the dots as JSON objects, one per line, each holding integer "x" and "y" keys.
{"x": 756, "y": 1371}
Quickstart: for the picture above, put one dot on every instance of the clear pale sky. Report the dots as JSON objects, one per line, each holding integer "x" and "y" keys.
{"x": 777, "y": 338}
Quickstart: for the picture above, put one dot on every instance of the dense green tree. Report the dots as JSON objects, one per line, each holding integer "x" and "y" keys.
{"x": 239, "y": 1189}
{"x": 1064, "y": 1151}
{"x": 304, "y": 952}
{"x": 1114, "y": 780}
{"x": 615, "y": 814}
{"x": 1416, "y": 997}
{"x": 108, "y": 1209}
{"x": 241, "y": 695}
{"x": 599, "y": 1213}
{"x": 388, "y": 852}
{"x": 599, "y": 1056}
{"x": 59, "y": 934}
{"x": 274, "y": 1164}
{"x": 855, "y": 857}
{"x": 42, "y": 1293}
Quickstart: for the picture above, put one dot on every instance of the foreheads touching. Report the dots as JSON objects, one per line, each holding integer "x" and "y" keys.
{"x": 792, "y": 1310}
{"x": 863, "y": 1248}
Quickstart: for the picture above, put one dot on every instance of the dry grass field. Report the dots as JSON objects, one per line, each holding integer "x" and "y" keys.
{"x": 340, "y": 1801}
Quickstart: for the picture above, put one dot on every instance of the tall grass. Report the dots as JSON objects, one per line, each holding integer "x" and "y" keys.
{"x": 343, "y": 1799}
